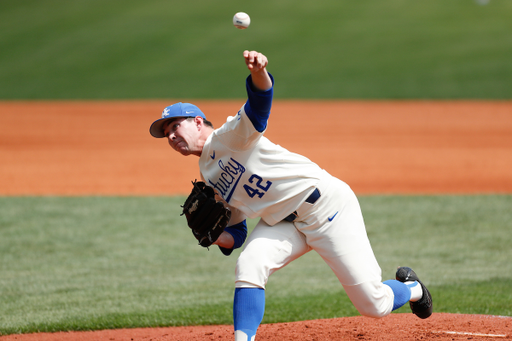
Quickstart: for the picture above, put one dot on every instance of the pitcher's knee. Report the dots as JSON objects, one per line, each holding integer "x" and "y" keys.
{"x": 251, "y": 270}
{"x": 372, "y": 311}
{"x": 372, "y": 299}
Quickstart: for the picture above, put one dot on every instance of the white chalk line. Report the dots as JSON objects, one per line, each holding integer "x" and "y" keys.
{"x": 472, "y": 334}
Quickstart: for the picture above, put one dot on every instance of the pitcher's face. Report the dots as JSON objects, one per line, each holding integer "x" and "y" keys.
{"x": 183, "y": 135}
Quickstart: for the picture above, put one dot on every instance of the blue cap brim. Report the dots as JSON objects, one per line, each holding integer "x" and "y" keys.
{"x": 157, "y": 128}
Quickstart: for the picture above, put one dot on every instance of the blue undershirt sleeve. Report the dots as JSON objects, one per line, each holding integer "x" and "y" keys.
{"x": 239, "y": 233}
{"x": 258, "y": 104}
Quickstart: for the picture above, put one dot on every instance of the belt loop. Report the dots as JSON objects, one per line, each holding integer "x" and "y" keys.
{"x": 313, "y": 197}
{"x": 291, "y": 217}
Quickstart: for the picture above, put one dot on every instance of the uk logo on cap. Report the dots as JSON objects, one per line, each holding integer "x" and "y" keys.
{"x": 174, "y": 111}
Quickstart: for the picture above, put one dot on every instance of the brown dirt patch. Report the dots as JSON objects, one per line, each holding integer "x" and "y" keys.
{"x": 441, "y": 327}
{"x": 104, "y": 148}
{"x": 81, "y": 148}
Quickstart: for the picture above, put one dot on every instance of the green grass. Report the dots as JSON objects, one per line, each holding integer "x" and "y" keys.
{"x": 90, "y": 263}
{"x": 439, "y": 49}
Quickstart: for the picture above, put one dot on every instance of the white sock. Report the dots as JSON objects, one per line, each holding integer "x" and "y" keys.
{"x": 241, "y": 336}
{"x": 416, "y": 290}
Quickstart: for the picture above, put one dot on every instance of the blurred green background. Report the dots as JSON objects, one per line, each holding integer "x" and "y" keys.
{"x": 374, "y": 49}
{"x": 91, "y": 263}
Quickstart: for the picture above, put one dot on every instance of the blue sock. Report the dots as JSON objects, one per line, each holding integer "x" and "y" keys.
{"x": 401, "y": 291}
{"x": 248, "y": 309}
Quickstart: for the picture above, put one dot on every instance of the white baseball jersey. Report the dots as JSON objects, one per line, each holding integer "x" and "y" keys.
{"x": 262, "y": 179}
{"x": 254, "y": 175}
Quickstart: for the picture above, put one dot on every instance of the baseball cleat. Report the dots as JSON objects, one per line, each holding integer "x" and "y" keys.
{"x": 423, "y": 307}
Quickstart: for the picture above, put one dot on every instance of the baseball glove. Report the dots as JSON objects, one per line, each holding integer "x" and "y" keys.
{"x": 206, "y": 217}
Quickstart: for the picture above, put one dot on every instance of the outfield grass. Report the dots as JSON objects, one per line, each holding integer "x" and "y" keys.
{"x": 94, "y": 49}
{"x": 111, "y": 262}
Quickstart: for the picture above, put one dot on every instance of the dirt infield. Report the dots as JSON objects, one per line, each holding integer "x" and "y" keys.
{"x": 104, "y": 148}
{"x": 80, "y": 148}
{"x": 440, "y": 327}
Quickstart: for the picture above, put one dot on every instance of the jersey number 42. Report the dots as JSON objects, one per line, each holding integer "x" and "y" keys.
{"x": 257, "y": 181}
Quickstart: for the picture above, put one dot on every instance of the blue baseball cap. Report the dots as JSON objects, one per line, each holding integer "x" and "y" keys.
{"x": 172, "y": 112}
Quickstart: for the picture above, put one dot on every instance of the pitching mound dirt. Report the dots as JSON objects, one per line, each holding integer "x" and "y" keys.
{"x": 441, "y": 327}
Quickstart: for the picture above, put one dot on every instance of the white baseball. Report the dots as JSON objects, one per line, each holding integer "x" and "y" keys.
{"x": 241, "y": 20}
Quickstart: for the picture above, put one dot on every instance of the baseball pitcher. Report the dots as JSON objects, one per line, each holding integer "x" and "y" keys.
{"x": 301, "y": 208}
